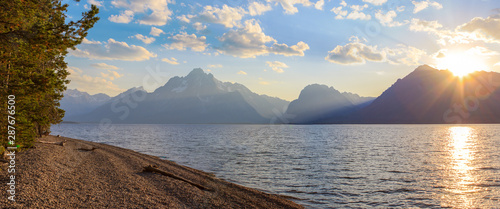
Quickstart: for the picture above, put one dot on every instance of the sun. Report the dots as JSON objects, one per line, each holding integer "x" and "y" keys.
{"x": 461, "y": 63}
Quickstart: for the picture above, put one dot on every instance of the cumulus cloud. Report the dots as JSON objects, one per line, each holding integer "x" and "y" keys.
{"x": 486, "y": 29}
{"x": 92, "y": 85}
{"x": 104, "y": 66}
{"x": 198, "y": 26}
{"x": 339, "y": 12}
{"x": 184, "y": 18}
{"x": 445, "y": 36}
{"x": 277, "y": 66}
{"x": 242, "y": 72}
{"x": 227, "y": 16}
{"x": 215, "y": 66}
{"x": 153, "y": 12}
{"x": 289, "y": 5}
{"x": 95, "y": 2}
{"x": 111, "y": 75}
{"x": 182, "y": 41}
{"x": 423, "y": 25}
{"x": 355, "y": 14}
{"x": 406, "y": 55}
{"x": 145, "y": 39}
{"x": 357, "y": 52}
{"x": 375, "y": 2}
{"x": 156, "y": 31}
{"x": 256, "y": 8}
{"x": 421, "y": 5}
{"x": 387, "y": 19}
{"x": 124, "y": 17}
{"x": 250, "y": 41}
{"x": 319, "y": 4}
{"x": 171, "y": 61}
{"x": 112, "y": 50}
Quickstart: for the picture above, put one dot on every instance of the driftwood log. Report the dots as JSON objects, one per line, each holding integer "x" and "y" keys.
{"x": 152, "y": 169}
{"x": 87, "y": 149}
{"x": 54, "y": 143}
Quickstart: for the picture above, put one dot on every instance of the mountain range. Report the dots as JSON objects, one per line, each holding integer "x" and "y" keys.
{"x": 426, "y": 95}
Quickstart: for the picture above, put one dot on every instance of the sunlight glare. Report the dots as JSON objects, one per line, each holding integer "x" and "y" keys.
{"x": 461, "y": 64}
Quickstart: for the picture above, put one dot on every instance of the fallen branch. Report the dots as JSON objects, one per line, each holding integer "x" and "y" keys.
{"x": 151, "y": 168}
{"x": 54, "y": 143}
{"x": 87, "y": 149}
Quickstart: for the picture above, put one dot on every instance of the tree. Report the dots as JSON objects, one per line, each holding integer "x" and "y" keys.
{"x": 34, "y": 40}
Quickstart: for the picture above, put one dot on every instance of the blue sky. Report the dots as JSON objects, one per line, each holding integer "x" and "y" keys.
{"x": 277, "y": 47}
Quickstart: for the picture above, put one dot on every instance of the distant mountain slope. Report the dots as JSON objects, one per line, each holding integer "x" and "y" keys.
{"x": 195, "y": 98}
{"x": 428, "y": 95}
{"x": 320, "y": 104}
{"x": 76, "y": 102}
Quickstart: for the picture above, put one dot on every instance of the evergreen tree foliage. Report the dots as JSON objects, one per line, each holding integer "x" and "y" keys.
{"x": 34, "y": 40}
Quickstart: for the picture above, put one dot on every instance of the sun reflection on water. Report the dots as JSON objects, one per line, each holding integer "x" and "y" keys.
{"x": 461, "y": 169}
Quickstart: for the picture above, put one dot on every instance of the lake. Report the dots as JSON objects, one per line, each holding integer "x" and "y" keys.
{"x": 328, "y": 166}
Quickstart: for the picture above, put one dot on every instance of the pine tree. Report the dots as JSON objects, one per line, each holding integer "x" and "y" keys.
{"x": 34, "y": 40}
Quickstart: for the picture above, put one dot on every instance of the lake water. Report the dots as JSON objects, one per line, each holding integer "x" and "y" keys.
{"x": 328, "y": 166}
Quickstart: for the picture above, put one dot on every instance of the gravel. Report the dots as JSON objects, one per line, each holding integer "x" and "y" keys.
{"x": 75, "y": 176}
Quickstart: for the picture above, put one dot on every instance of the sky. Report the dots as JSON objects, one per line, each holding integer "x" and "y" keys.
{"x": 277, "y": 47}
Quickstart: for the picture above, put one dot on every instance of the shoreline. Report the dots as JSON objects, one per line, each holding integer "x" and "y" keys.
{"x": 94, "y": 175}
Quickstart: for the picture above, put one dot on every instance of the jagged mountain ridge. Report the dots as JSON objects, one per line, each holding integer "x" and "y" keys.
{"x": 195, "y": 98}
{"x": 76, "y": 102}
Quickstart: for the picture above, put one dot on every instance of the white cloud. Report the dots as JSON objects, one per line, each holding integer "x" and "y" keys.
{"x": 357, "y": 52}
{"x": 198, "y": 26}
{"x": 227, "y": 16}
{"x": 277, "y": 66}
{"x": 95, "y": 2}
{"x": 423, "y": 25}
{"x": 375, "y": 2}
{"x": 486, "y": 29}
{"x": 86, "y": 41}
{"x": 406, "y": 55}
{"x": 421, "y": 5}
{"x": 145, "y": 39}
{"x": 339, "y": 12}
{"x": 92, "y": 85}
{"x": 104, "y": 66}
{"x": 256, "y": 8}
{"x": 359, "y": 7}
{"x": 183, "y": 18}
{"x": 182, "y": 41}
{"x": 113, "y": 50}
{"x": 481, "y": 51}
{"x": 242, "y": 72}
{"x": 215, "y": 66}
{"x": 171, "y": 61}
{"x": 155, "y": 12}
{"x": 354, "y": 15}
{"x": 319, "y": 4}
{"x": 124, "y": 17}
{"x": 289, "y": 5}
{"x": 343, "y": 3}
{"x": 156, "y": 31}
{"x": 250, "y": 41}
{"x": 387, "y": 19}
{"x": 497, "y": 64}
{"x": 111, "y": 75}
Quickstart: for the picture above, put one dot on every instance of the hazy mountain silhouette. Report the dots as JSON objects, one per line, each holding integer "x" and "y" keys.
{"x": 77, "y": 102}
{"x": 195, "y": 98}
{"x": 428, "y": 95}
{"x": 320, "y": 103}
